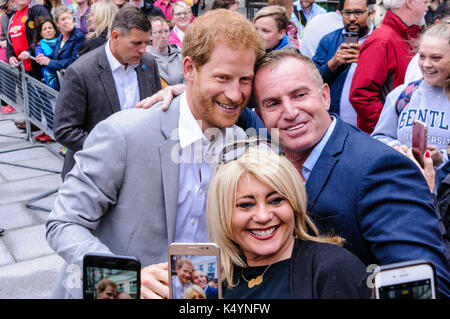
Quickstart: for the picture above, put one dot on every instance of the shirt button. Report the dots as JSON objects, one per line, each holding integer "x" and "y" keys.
{"x": 193, "y": 221}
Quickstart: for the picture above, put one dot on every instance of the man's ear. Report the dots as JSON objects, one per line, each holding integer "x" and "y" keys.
{"x": 189, "y": 69}
{"x": 326, "y": 98}
{"x": 115, "y": 34}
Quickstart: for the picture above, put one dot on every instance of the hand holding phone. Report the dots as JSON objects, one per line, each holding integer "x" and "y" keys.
{"x": 111, "y": 277}
{"x": 406, "y": 280}
{"x": 419, "y": 140}
{"x": 351, "y": 37}
{"x": 194, "y": 271}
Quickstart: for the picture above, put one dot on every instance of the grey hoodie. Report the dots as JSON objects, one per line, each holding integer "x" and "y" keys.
{"x": 170, "y": 65}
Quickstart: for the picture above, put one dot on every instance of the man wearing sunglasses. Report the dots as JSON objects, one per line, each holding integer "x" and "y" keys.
{"x": 337, "y": 55}
{"x": 141, "y": 180}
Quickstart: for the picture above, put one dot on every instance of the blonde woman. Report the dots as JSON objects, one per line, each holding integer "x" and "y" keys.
{"x": 99, "y": 25}
{"x": 270, "y": 248}
{"x": 194, "y": 292}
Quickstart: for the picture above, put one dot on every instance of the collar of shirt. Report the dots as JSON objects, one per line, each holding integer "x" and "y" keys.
{"x": 113, "y": 62}
{"x": 190, "y": 132}
{"x": 178, "y": 32}
{"x": 315, "y": 154}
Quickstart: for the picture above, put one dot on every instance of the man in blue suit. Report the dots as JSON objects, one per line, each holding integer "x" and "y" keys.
{"x": 358, "y": 188}
{"x": 199, "y": 278}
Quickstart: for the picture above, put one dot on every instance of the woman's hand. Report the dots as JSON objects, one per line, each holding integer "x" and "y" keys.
{"x": 13, "y": 61}
{"x": 428, "y": 169}
{"x": 166, "y": 96}
{"x": 42, "y": 59}
{"x": 24, "y": 55}
{"x": 436, "y": 156}
{"x": 154, "y": 282}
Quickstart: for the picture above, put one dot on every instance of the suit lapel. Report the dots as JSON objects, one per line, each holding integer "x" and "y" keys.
{"x": 144, "y": 86}
{"x": 326, "y": 163}
{"x": 107, "y": 81}
{"x": 170, "y": 168}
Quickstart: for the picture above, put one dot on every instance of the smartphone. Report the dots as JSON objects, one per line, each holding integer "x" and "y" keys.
{"x": 419, "y": 140}
{"x": 194, "y": 271}
{"x": 351, "y": 37}
{"x": 111, "y": 277}
{"x": 406, "y": 280}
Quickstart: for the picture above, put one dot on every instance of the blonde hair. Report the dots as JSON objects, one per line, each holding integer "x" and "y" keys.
{"x": 276, "y": 172}
{"x": 220, "y": 25}
{"x": 192, "y": 290}
{"x": 276, "y": 12}
{"x": 103, "y": 13}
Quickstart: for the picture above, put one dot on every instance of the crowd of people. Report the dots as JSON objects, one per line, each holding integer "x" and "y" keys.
{"x": 339, "y": 91}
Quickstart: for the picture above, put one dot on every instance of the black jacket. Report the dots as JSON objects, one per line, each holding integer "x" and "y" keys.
{"x": 326, "y": 271}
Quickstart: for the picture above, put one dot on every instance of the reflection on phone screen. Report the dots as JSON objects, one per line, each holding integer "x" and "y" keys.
{"x": 194, "y": 277}
{"x": 410, "y": 290}
{"x": 108, "y": 283}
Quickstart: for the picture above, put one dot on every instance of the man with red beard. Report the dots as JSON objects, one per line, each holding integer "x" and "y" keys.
{"x": 141, "y": 180}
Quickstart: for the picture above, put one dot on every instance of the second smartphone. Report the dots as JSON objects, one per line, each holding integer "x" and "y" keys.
{"x": 194, "y": 271}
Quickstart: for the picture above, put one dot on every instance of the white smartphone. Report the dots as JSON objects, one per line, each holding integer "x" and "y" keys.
{"x": 194, "y": 271}
{"x": 407, "y": 280}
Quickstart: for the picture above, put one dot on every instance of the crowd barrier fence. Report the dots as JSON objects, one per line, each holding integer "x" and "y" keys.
{"x": 37, "y": 102}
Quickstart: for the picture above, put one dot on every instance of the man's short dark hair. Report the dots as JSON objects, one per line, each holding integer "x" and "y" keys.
{"x": 130, "y": 17}
{"x": 342, "y": 2}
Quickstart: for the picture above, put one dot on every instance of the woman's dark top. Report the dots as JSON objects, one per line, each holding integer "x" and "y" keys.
{"x": 275, "y": 282}
{"x": 316, "y": 271}
{"x": 93, "y": 43}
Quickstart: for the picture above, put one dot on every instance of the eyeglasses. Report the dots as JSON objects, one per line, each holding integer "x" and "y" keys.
{"x": 179, "y": 14}
{"x": 235, "y": 150}
{"x": 165, "y": 32}
{"x": 357, "y": 13}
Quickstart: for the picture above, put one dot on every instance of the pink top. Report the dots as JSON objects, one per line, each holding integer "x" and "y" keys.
{"x": 175, "y": 39}
{"x": 166, "y": 7}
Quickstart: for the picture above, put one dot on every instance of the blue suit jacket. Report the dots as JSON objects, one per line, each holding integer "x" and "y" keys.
{"x": 378, "y": 200}
{"x": 328, "y": 46}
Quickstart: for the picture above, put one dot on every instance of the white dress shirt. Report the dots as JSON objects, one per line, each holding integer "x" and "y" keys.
{"x": 197, "y": 163}
{"x": 125, "y": 79}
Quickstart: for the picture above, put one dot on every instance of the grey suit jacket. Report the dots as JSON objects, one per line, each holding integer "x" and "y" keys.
{"x": 121, "y": 197}
{"x": 88, "y": 95}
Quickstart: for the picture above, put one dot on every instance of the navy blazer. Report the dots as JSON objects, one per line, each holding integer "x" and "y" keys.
{"x": 326, "y": 50}
{"x": 378, "y": 200}
{"x": 69, "y": 52}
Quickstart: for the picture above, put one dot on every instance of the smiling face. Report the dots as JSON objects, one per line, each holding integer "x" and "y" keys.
{"x": 218, "y": 91}
{"x": 184, "y": 273}
{"x": 434, "y": 60}
{"x": 290, "y": 99}
{"x": 181, "y": 17}
{"x": 262, "y": 222}
{"x": 199, "y": 278}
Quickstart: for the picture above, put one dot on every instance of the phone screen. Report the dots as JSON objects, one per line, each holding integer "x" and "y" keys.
{"x": 111, "y": 278}
{"x": 194, "y": 276}
{"x": 410, "y": 290}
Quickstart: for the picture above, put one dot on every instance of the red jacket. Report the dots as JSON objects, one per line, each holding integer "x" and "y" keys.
{"x": 382, "y": 64}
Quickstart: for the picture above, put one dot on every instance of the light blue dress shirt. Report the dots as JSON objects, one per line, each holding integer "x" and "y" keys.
{"x": 315, "y": 154}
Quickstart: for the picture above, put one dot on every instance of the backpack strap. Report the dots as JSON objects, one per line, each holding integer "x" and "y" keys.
{"x": 405, "y": 96}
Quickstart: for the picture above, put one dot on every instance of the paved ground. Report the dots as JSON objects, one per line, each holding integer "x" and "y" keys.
{"x": 28, "y": 267}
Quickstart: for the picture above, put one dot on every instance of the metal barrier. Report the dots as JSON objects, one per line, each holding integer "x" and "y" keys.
{"x": 37, "y": 101}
